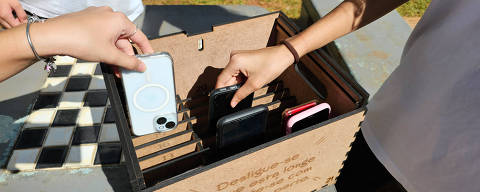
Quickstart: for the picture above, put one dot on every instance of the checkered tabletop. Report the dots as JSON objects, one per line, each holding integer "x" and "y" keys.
{"x": 71, "y": 124}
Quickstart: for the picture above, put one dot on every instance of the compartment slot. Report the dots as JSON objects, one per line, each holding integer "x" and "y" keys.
{"x": 274, "y": 86}
{"x": 180, "y": 116}
{"x": 275, "y": 127}
{"x": 163, "y": 143}
{"x": 175, "y": 167}
{"x": 141, "y": 140}
{"x": 199, "y": 116}
{"x": 276, "y": 105}
{"x": 167, "y": 154}
{"x": 337, "y": 95}
{"x": 198, "y": 104}
{"x": 270, "y": 97}
{"x": 280, "y": 105}
{"x": 203, "y": 109}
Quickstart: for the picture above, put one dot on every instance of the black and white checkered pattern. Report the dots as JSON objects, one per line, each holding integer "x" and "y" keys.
{"x": 71, "y": 124}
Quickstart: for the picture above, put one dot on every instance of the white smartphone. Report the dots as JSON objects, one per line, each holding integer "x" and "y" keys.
{"x": 150, "y": 95}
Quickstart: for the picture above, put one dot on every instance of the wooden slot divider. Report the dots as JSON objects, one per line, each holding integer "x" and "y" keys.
{"x": 180, "y": 116}
{"x": 167, "y": 154}
{"x": 202, "y": 101}
{"x": 286, "y": 101}
{"x": 269, "y": 88}
{"x": 196, "y": 102}
{"x": 262, "y": 99}
{"x": 179, "y": 102}
{"x": 270, "y": 97}
{"x": 186, "y": 162}
{"x": 193, "y": 119}
{"x": 199, "y": 110}
{"x": 163, "y": 143}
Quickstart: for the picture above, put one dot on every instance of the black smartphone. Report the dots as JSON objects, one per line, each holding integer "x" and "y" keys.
{"x": 219, "y": 105}
{"x": 241, "y": 130}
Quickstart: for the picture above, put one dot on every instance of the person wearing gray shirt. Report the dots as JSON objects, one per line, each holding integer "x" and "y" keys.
{"x": 423, "y": 124}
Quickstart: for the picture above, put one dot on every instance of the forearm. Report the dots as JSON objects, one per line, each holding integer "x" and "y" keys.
{"x": 349, "y": 16}
{"x": 95, "y": 34}
{"x": 15, "y": 52}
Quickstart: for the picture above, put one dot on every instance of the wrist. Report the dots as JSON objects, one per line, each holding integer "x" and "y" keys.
{"x": 286, "y": 55}
{"x": 45, "y": 42}
{"x": 298, "y": 44}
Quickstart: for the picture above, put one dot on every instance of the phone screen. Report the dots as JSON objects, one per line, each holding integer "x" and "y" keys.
{"x": 311, "y": 120}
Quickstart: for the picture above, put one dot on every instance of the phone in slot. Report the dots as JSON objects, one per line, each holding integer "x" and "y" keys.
{"x": 150, "y": 95}
{"x": 289, "y": 112}
{"x": 309, "y": 117}
{"x": 241, "y": 130}
{"x": 219, "y": 105}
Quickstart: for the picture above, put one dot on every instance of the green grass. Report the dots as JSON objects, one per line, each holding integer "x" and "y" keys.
{"x": 413, "y": 8}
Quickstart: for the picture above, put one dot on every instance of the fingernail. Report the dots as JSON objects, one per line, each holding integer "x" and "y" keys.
{"x": 141, "y": 67}
{"x": 233, "y": 104}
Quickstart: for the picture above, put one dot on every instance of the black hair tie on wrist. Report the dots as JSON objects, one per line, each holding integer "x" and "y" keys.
{"x": 292, "y": 50}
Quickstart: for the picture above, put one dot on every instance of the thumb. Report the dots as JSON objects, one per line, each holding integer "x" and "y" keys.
{"x": 243, "y": 92}
{"x": 121, "y": 59}
{"x": 227, "y": 74}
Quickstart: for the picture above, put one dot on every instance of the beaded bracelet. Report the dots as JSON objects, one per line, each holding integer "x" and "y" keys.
{"x": 49, "y": 61}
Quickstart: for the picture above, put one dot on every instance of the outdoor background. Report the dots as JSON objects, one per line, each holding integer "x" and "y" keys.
{"x": 411, "y": 11}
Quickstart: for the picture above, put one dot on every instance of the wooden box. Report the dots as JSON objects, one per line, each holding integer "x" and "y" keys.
{"x": 303, "y": 161}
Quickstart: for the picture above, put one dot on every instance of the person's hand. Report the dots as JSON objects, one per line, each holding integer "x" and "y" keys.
{"x": 7, "y": 7}
{"x": 94, "y": 34}
{"x": 259, "y": 67}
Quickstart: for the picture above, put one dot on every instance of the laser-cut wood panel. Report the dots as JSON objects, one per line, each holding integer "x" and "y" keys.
{"x": 284, "y": 166}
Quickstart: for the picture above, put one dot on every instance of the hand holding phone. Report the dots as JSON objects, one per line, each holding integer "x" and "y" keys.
{"x": 150, "y": 95}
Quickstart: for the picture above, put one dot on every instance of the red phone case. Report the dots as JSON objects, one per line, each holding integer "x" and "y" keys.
{"x": 305, "y": 114}
{"x": 287, "y": 113}
{"x": 294, "y": 110}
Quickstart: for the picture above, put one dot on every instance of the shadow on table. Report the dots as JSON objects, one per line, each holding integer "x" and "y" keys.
{"x": 117, "y": 177}
{"x": 168, "y": 19}
{"x": 11, "y": 111}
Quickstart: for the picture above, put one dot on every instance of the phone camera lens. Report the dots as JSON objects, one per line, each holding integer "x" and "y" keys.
{"x": 170, "y": 125}
{"x": 161, "y": 120}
